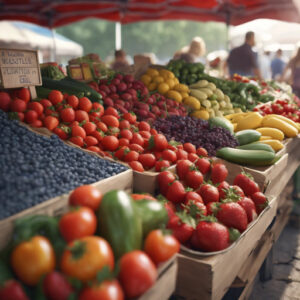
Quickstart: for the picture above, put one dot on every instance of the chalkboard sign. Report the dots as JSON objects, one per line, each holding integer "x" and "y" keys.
{"x": 19, "y": 68}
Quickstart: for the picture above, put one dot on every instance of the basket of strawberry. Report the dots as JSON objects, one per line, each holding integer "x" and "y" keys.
{"x": 206, "y": 213}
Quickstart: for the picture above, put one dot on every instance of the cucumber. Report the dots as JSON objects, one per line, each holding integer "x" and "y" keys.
{"x": 93, "y": 95}
{"x": 42, "y": 92}
{"x": 71, "y": 87}
{"x": 220, "y": 122}
{"x": 247, "y": 157}
{"x": 257, "y": 146}
{"x": 247, "y": 136}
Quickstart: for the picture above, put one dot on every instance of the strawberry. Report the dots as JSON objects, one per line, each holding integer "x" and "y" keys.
{"x": 218, "y": 173}
{"x": 190, "y": 195}
{"x": 182, "y": 168}
{"x": 209, "y": 193}
{"x": 246, "y": 182}
{"x": 211, "y": 236}
{"x": 203, "y": 164}
{"x": 195, "y": 208}
{"x": 260, "y": 201}
{"x": 182, "y": 226}
{"x": 222, "y": 188}
{"x": 164, "y": 179}
{"x": 176, "y": 192}
{"x": 193, "y": 179}
{"x": 233, "y": 215}
{"x": 249, "y": 208}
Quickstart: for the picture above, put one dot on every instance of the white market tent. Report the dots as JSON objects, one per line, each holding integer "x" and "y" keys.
{"x": 51, "y": 46}
{"x": 270, "y": 34}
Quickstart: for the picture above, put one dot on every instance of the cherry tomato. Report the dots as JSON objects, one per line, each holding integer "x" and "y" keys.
{"x": 81, "y": 115}
{"x": 130, "y": 117}
{"x": 38, "y": 107}
{"x": 137, "y": 273}
{"x": 55, "y": 97}
{"x": 110, "y": 121}
{"x": 67, "y": 115}
{"x": 85, "y": 104}
{"x": 136, "y": 166}
{"x": 160, "y": 246}
{"x": 106, "y": 290}
{"x": 77, "y": 140}
{"x": 56, "y": 286}
{"x": 78, "y": 223}
{"x": 78, "y": 131}
{"x": 18, "y": 105}
{"x": 31, "y": 116}
{"x": 95, "y": 254}
{"x": 24, "y": 94}
{"x": 73, "y": 101}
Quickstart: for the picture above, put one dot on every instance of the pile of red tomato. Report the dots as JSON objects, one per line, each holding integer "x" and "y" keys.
{"x": 104, "y": 131}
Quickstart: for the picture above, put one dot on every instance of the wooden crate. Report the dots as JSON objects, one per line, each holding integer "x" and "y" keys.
{"x": 59, "y": 205}
{"x": 165, "y": 284}
{"x": 262, "y": 175}
{"x": 208, "y": 278}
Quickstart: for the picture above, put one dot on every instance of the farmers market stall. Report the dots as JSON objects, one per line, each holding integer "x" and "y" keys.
{"x": 187, "y": 138}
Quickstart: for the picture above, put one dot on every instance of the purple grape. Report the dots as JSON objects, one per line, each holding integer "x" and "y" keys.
{"x": 196, "y": 131}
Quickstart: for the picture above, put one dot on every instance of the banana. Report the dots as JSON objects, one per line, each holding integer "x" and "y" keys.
{"x": 199, "y": 84}
{"x": 198, "y": 94}
{"x": 274, "y": 133}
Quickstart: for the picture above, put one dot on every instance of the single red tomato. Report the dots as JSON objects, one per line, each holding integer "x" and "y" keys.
{"x": 160, "y": 246}
{"x": 78, "y": 223}
{"x": 137, "y": 273}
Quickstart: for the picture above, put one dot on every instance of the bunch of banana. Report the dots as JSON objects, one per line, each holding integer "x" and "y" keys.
{"x": 211, "y": 98}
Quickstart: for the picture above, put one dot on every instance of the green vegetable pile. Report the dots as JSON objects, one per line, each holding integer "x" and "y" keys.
{"x": 242, "y": 95}
{"x": 187, "y": 73}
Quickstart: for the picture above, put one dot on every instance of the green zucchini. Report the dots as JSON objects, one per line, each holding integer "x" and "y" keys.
{"x": 247, "y": 157}
{"x": 42, "y": 92}
{"x": 152, "y": 213}
{"x": 71, "y": 87}
{"x": 119, "y": 222}
{"x": 257, "y": 146}
{"x": 247, "y": 136}
{"x": 93, "y": 95}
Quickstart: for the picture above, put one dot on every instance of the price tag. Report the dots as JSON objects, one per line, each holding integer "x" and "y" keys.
{"x": 19, "y": 68}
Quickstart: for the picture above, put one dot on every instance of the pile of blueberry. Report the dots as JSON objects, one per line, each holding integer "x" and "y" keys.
{"x": 34, "y": 168}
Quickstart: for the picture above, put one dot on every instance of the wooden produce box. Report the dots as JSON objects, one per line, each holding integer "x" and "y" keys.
{"x": 209, "y": 278}
{"x": 59, "y": 205}
{"x": 262, "y": 175}
{"x": 165, "y": 285}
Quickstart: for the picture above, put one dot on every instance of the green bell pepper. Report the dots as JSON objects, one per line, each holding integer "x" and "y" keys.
{"x": 119, "y": 222}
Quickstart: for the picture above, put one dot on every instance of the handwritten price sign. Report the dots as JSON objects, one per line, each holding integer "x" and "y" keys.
{"x": 19, "y": 68}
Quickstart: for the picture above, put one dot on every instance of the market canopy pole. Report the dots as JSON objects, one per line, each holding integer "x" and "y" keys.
{"x": 118, "y": 36}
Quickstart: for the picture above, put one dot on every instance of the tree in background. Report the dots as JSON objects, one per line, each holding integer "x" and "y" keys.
{"x": 162, "y": 37}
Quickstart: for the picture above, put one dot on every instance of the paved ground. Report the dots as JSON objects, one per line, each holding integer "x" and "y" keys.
{"x": 285, "y": 284}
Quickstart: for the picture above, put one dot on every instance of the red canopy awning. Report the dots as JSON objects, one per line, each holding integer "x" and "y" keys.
{"x": 54, "y": 13}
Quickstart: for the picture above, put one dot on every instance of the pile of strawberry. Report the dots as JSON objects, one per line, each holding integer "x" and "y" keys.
{"x": 280, "y": 107}
{"x": 104, "y": 131}
{"x": 126, "y": 94}
{"x": 206, "y": 213}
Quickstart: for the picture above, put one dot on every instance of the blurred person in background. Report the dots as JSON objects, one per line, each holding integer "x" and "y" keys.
{"x": 243, "y": 60}
{"x": 294, "y": 67}
{"x": 121, "y": 61}
{"x": 277, "y": 65}
{"x": 192, "y": 53}
{"x": 265, "y": 65}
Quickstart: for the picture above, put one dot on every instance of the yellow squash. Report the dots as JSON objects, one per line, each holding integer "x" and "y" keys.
{"x": 275, "y": 144}
{"x": 274, "y": 133}
{"x": 251, "y": 121}
{"x": 291, "y": 122}
{"x": 278, "y": 123}
{"x": 265, "y": 137}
